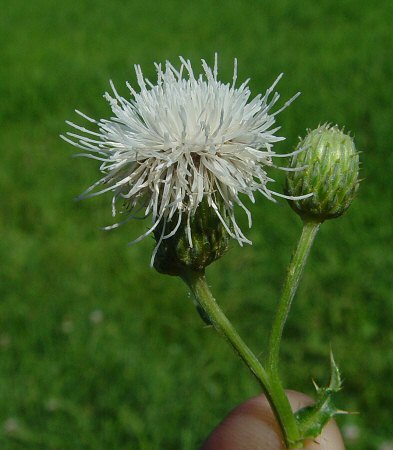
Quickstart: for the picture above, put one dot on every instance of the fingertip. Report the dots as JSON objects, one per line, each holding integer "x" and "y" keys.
{"x": 245, "y": 428}
{"x": 252, "y": 425}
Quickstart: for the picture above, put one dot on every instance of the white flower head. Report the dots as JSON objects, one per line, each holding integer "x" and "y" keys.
{"x": 185, "y": 139}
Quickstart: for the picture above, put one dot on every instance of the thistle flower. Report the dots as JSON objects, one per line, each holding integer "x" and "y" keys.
{"x": 181, "y": 141}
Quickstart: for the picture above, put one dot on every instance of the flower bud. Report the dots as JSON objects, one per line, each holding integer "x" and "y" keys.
{"x": 197, "y": 243}
{"x": 328, "y": 166}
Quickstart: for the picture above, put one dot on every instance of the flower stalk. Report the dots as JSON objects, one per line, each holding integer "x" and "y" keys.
{"x": 271, "y": 385}
{"x": 268, "y": 378}
{"x": 294, "y": 273}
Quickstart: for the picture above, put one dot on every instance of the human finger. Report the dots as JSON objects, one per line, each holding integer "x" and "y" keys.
{"x": 252, "y": 426}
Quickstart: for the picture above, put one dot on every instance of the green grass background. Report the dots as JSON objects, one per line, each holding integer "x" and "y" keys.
{"x": 97, "y": 351}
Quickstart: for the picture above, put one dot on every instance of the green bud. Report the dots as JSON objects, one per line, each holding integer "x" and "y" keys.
{"x": 208, "y": 237}
{"x": 331, "y": 170}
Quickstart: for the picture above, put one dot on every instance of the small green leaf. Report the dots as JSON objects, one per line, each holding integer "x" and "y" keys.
{"x": 312, "y": 419}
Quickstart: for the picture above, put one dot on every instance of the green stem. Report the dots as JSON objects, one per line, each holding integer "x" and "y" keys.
{"x": 270, "y": 385}
{"x": 295, "y": 270}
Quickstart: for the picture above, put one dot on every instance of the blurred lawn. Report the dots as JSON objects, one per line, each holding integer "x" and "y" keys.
{"x": 97, "y": 351}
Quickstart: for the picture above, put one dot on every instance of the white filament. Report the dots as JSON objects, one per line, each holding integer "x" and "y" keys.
{"x": 185, "y": 139}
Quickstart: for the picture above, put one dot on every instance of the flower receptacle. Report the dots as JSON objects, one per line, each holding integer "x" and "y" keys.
{"x": 197, "y": 243}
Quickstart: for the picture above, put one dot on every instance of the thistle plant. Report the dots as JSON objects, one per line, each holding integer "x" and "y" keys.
{"x": 183, "y": 152}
